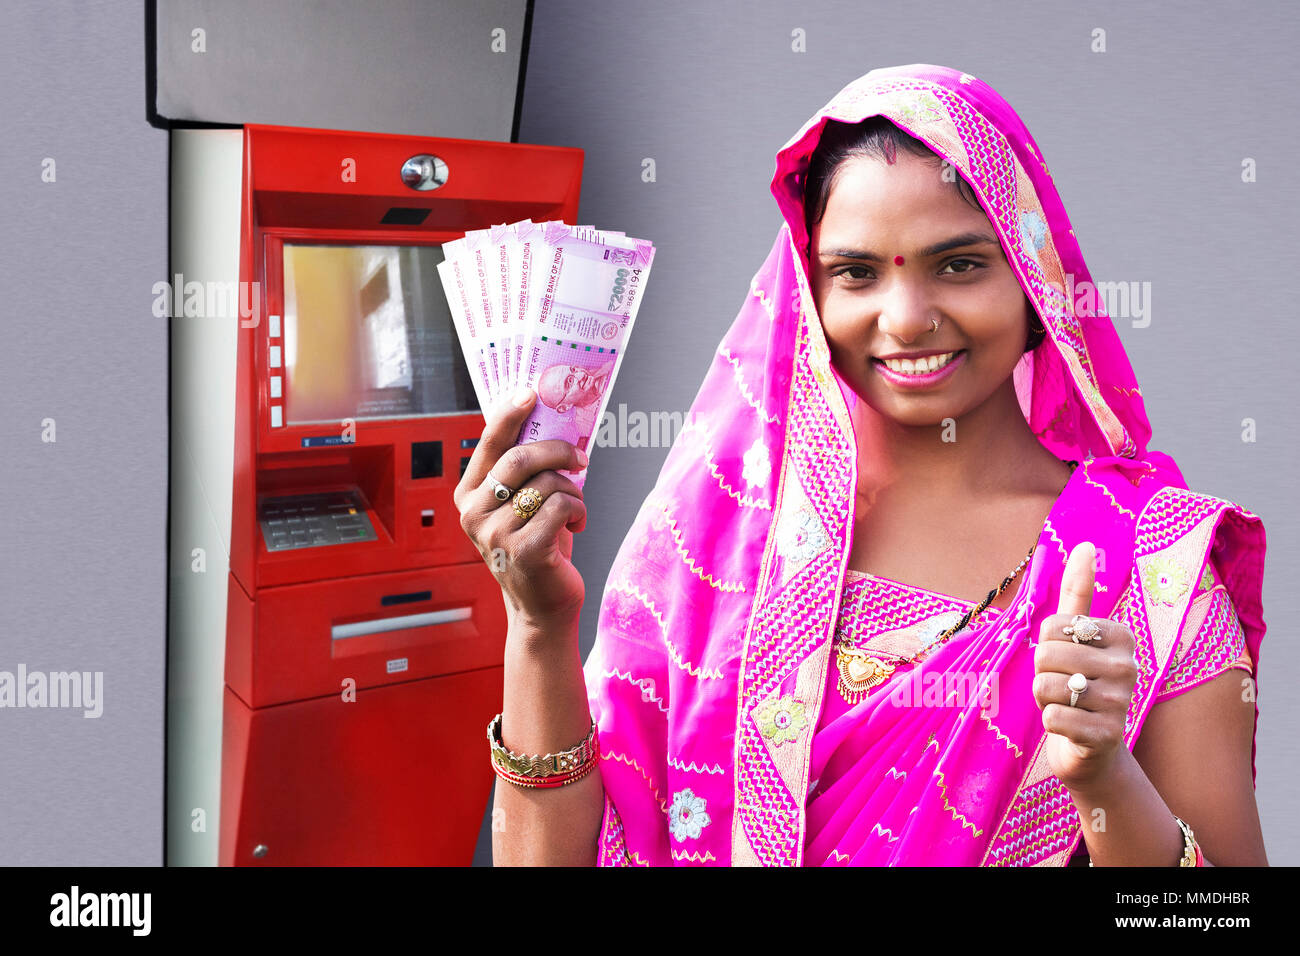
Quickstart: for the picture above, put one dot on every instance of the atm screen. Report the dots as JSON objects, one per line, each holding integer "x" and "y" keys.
{"x": 368, "y": 334}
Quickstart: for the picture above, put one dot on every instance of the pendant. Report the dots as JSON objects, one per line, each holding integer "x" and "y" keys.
{"x": 859, "y": 672}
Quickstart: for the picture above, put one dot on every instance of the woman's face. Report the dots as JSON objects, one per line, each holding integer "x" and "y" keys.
{"x": 952, "y": 270}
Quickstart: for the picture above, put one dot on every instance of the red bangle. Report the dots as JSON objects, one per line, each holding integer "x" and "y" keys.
{"x": 554, "y": 780}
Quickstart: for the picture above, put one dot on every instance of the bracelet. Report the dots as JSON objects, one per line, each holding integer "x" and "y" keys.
{"x": 558, "y": 780}
{"x": 1192, "y": 855}
{"x": 544, "y": 770}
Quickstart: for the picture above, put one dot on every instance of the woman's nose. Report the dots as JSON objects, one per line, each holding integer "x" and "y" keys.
{"x": 905, "y": 312}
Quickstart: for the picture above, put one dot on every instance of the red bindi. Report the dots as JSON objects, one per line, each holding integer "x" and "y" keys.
{"x": 898, "y": 260}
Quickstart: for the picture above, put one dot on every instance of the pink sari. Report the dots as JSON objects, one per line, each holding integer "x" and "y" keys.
{"x": 713, "y": 654}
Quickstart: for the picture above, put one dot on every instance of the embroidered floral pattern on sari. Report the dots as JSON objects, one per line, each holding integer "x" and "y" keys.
{"x": 1165, "y": 580}
{"x": 1033, "y": 231}
{"x": 782, "y": 719}
{"x": 758, "y": 465}
{"x": 800, "y": 533}
{"x": 687, "y": 817}
{"x": 803, "y": 536}
{"x": 924, "y": 107}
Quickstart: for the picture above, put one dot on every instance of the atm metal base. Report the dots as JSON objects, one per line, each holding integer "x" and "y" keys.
{"x": 399, "y": 777}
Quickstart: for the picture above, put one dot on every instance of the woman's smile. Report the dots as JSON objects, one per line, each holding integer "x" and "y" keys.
{"x": 921, "y": 373}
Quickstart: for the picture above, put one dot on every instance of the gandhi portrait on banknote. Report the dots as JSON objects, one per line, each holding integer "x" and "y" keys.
{"x": 576, "y": 388}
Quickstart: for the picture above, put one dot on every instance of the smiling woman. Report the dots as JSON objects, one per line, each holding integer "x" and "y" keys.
{"x": 899, "y": 249}
{"x": 911, "y": 589}
{"x": 926, "y": 322}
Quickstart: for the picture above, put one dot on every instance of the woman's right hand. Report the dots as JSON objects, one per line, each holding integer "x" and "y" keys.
{"x": 529, "y": 556}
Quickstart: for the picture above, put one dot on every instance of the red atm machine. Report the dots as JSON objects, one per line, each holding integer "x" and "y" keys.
{"x": 363, "y": 631}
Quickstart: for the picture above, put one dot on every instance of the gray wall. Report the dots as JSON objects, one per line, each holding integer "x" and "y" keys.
{"x": 82, "y": 564}
{"x": 1145, "y": 143}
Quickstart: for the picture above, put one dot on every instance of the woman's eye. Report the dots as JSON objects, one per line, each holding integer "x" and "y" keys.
{"x": 845, "y": 272}
{"x": 969, "y": 262}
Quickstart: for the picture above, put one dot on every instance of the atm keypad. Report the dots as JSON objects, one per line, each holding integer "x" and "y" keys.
{"x": 313, "y": 521}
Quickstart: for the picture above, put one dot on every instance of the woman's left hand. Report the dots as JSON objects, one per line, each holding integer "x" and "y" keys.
{"x": 1084, "y": 740}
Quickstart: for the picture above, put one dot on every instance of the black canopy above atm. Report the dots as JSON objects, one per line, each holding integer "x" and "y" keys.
{"x": 241, "y": 61}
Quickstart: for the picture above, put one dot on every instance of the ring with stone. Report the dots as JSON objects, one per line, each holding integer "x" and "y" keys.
{"x": 1077, "y": 685}
{"x": 499, "y": 490}
{"x": 1082, "y": 629}
{"x": 527, "y": 502}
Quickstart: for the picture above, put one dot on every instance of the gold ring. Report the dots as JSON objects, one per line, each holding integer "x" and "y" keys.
{"x": 527, "y": 501}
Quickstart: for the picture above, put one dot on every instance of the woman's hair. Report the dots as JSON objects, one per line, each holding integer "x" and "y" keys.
{"x": 875, "y": 137}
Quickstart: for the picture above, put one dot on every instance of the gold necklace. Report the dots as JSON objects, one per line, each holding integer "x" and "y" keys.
{"x": 861, "y": 671}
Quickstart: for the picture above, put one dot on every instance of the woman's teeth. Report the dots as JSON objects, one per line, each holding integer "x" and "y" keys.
{"x": 923, "y": 366}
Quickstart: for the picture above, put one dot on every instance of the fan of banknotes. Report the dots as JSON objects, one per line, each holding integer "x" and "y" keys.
{"x": 549, "y": 306}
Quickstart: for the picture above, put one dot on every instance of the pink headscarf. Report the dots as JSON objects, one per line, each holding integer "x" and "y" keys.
{"x": 720, "y": 608}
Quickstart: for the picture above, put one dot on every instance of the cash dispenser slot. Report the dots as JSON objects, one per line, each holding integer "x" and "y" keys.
{"x": 382, "y": 625}
{"x": 305, "y": 640}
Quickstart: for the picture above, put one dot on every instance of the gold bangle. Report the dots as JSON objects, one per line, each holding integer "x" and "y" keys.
{"x": 1189, "y": 844}
{"x": 541, "y": 765}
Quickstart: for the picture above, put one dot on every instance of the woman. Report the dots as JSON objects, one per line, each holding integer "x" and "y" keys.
{"x": 874, "y": 612}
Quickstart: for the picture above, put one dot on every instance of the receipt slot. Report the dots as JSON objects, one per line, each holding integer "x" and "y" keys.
{"x": 329, "y": 688}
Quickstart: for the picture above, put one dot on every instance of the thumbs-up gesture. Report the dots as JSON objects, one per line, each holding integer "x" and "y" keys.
{"x": 1084, "y": 679}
